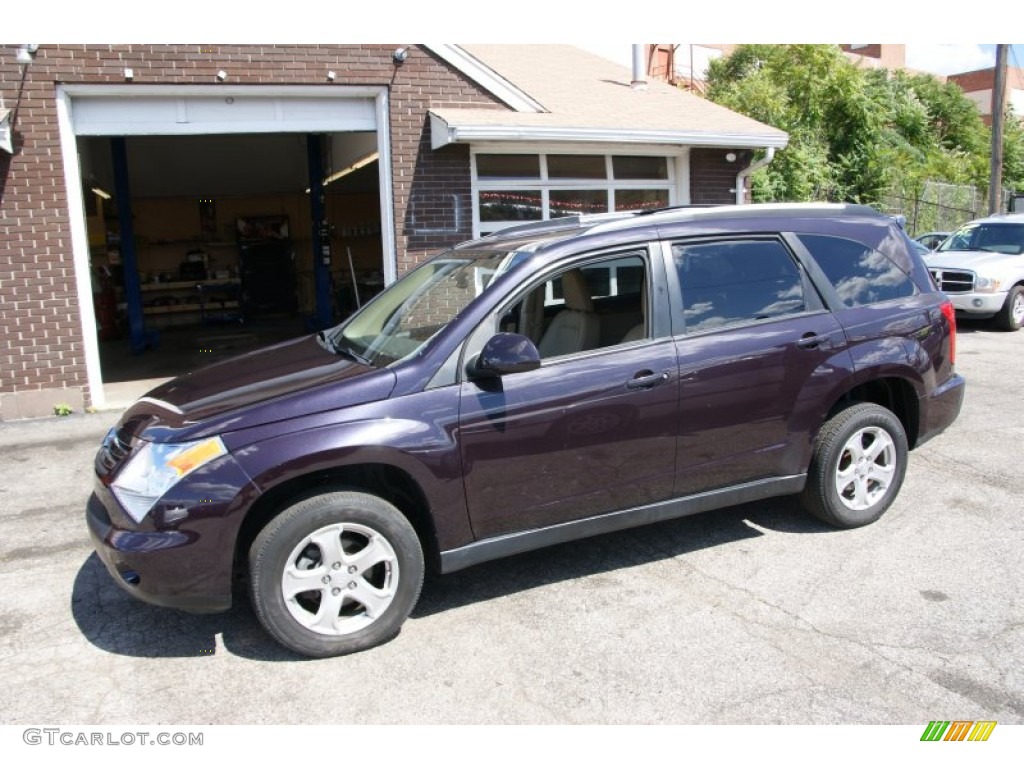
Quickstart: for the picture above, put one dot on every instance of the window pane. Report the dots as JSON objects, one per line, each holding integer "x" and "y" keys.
{"x": 584, "y": 308}
{"x": 599, "y": 280}
{"x": 513, "y": 205}
{"x": 625, "y": 167}
{"x": 508, "y": 166}
{"x": 860, "y": 274}
{"x": 570, "y": 202}
{"x": 630, "y": 279}
{"x": 728, "y": 283}
{"x": 577, "y": 167}
{"x": 640, "y": 199}
{"x": 1001, "y": 238}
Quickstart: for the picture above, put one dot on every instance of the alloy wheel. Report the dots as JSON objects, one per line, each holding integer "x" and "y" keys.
{"x": 340, "y": 578}
{"x": 866, "y": 468}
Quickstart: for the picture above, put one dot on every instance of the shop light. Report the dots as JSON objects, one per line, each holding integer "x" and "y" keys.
{"x": 101, "y": 192}
{"x": 366, "y": 160}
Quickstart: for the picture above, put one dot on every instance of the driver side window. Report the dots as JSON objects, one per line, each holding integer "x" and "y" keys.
{"x": 589, "y": 306}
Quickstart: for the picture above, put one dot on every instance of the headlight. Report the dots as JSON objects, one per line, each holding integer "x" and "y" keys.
{"x": 986, "y": 284}
{"x": 156, "y": 468}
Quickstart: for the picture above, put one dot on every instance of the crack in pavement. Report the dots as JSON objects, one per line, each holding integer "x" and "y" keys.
{"x": 982, "y": 694}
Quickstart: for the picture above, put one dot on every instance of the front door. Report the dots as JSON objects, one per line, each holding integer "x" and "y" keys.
{"x": 590, "y": 431}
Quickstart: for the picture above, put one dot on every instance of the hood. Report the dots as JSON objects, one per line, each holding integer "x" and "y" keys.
{"x": 294, "y": 378}
{"x": 976, "y": 261}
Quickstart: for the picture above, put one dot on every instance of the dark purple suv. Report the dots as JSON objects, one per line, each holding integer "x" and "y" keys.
{"x": 542, "y": 384}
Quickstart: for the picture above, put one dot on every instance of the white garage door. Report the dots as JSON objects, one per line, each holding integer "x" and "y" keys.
{"x": 170, "y": 111}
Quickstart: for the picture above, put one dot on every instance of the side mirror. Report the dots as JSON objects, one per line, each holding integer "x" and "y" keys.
{"x": 505, "y": 353}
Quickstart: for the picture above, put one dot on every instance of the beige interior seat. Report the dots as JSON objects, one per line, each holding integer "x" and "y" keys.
{"x": 639, "y": 331}
{"x": 575, "y": 328}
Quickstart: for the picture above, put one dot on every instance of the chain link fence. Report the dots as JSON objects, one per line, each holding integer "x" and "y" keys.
{"x": 937, "y": 206}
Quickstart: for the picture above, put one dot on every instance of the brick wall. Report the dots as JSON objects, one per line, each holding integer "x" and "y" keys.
{"x": 871, "y": 50}
{"x": 979, "y": 85}
{"x": 985, "y": 79}
{"x": 978, "y": 80}
{"x": 41, "y": 346}
{"x": 40, "y": 335}
{"x": 712, "y": 176}
{"x": 885, "y": 55}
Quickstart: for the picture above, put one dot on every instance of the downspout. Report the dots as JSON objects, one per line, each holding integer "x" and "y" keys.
{"x": 741, "y": 177}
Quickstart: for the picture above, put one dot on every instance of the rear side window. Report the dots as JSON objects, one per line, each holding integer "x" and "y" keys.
{"x": 860, "y": 275}
{"x": 729, "y": 283}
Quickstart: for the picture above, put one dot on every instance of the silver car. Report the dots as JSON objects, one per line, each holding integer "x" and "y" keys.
{"x": 981, "y": 268}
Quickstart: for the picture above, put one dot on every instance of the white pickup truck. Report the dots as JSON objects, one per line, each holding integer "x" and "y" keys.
{"x": 981, "y": 268}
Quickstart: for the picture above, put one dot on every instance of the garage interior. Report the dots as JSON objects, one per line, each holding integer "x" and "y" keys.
{"x": 224, "y": 229}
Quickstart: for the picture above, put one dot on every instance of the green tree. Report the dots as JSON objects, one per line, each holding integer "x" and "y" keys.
{"x": 856, "y": 134}
{"x": 825, "y": 104}
{"x": 1013, "y": 152}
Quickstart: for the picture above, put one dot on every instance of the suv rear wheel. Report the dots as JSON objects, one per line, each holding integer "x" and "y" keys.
{"x": 335, "y": 574}
{"x": 860, "y": 458}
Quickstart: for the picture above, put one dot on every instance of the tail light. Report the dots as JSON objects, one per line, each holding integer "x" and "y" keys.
{"x": 950, "y": 315}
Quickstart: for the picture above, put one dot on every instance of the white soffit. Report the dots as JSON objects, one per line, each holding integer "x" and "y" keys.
{"x": 443, "y": 133}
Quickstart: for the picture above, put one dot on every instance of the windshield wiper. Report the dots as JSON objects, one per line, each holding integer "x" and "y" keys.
{"x": 345, "y": 350}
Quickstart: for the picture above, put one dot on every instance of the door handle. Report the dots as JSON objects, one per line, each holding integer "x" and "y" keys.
{"x": 646, "y": 380}
{"x": 811, "y": 340}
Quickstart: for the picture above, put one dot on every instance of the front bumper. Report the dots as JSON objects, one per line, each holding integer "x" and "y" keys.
{"x": 978, "y": 305}
{"x": 186, "y": 564}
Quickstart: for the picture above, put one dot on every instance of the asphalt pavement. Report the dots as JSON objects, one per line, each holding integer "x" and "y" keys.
{"x": 753, "y": 614}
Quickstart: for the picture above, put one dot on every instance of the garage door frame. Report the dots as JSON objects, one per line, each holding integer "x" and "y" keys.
{"x": 69, "y": 95}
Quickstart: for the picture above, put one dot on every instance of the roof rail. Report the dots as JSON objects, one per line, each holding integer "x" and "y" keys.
{"x": 685, "y": 207}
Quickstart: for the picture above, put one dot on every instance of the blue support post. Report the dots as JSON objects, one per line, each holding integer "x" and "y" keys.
{"x": 323, "y": 314}
{"x": 138, "y": 339}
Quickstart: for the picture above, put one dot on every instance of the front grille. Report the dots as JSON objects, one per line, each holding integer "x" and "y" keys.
{"x": 953, "y": 281}
{"x": 116, "y": 448}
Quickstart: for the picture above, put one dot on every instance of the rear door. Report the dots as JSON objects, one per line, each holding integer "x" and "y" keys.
{"x": 757, "y": 356}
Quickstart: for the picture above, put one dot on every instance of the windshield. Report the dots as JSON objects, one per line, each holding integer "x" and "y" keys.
{"x": 999, "y": 238}
{"x": 398, "y": 322}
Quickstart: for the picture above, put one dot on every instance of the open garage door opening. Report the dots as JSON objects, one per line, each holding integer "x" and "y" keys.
{"x": 229, "y": 249}
{"x": 207, "y": 222}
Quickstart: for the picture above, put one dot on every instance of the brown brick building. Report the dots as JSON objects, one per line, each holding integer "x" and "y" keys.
{"x": 137, "y": 174}
{"x": 979, "y": 84}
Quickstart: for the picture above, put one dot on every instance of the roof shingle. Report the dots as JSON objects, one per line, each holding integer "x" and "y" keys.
{"x": 587, "y": 97}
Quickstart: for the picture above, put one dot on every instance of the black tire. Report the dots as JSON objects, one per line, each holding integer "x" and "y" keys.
{"x": 1011, "y": 315}
{"x": 365, "y": 572}
{"x": 844, "y": 491}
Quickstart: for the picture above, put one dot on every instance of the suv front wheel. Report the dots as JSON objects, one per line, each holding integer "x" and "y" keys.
{"x": 335, "y": 573}
{"x": 1011, "y": 315}
{"x": 860, "y": 458}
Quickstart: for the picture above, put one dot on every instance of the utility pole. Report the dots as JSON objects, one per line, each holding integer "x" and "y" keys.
{"x": 995, "y": 184}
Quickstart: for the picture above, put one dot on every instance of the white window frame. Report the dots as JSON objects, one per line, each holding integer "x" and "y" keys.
{"x": 677, "y": 183}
